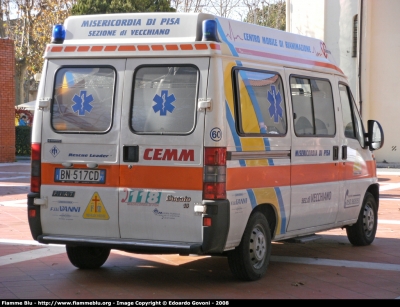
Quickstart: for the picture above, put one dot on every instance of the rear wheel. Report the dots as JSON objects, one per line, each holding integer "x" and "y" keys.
{"x": 87, "y": 257}
{"x": 249, "y": 260}
{"x": 363, "y": 232}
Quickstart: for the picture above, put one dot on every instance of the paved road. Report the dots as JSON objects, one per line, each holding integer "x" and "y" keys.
{"x": 326, "y": 268}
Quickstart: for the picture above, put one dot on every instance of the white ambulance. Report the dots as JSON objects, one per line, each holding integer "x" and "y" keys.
{"x": 195, "y": 134}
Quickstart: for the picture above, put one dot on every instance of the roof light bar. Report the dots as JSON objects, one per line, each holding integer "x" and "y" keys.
{"x": 58, "y": 34}
{"x": 210, "y": 30}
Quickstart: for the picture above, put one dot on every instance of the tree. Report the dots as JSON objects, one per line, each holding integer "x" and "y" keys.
{"x": 271, "y": 14}
{"x": 85, "y": 7}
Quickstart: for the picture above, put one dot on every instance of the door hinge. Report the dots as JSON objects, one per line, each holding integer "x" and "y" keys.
{"x": 204, "y": 104}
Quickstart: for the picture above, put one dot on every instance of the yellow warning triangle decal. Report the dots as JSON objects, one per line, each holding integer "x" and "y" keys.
{"x": 95, "y": 209}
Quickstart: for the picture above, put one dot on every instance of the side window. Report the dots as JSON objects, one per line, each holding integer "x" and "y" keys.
{"x": 352, "y": 124}
{"x": 164, "y": 99}
{"x": 261, "y": 102}
{"x": 313, "y": 108}
{"x": 83, "y": 99}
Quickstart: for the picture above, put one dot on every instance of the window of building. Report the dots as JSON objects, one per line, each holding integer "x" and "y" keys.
{"x": 355, "y": 31}
{"x": 260, "y": 102}
{"x": 313, "y": 108}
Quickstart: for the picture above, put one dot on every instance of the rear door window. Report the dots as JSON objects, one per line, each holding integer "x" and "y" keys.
{"x": 83, "y": 99}
{"x": 164, "y": 99}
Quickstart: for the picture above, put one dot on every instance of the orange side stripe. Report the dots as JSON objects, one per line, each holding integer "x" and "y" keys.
{"x": 112, "y": 175}
{"x": 110, "y": 48}
{"x": 315, "y": 173}
{"x": 171, "y": 47}
{"x": 97, "y": 48}
{"x": 70, "y": 49}
{"x": 215, "y": 46}
{"x": 367, "y": 171}
{"x": 57, "y": 49}
{"x": 143, "y": 48}
{"x": 257, "y": 177}
{"x": 162, "y": 177}
{"x": 127, "y": 48}
{"x": 83, "y": 49}
{"x": 201, "y": 46}
{"x": 186, "y": 47}
{"x": 157, "y": 47}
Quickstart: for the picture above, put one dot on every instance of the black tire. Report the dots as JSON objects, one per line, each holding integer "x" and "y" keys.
{"x": 363, "y": 232}
{"x": 87, "y": 257}
{"x": 249, "y": 260}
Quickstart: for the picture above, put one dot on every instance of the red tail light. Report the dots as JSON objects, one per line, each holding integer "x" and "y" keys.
{"x": 214, "y": 174}
{"x": 35, "y": 167}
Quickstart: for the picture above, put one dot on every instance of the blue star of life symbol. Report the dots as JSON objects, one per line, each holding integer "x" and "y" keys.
{"x": 82, "y": 103}
{"x": 275, "y": 99}
{"x": 164, "y": 103}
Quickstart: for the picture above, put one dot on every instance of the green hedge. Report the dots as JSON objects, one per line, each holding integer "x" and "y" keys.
{"x": 23, "y": 140}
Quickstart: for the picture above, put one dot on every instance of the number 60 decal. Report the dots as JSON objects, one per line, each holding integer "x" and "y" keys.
{"x": 216, "y": 134}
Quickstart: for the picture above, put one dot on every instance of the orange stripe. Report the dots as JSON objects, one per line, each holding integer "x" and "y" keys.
{"x": 112, "y": 175}
{"x": 162, "y": 177}
{"x": 315, "y": 173}
{"x": 172, "y": 47}
{"x": 126, "y": 48}
{"x": 83, "y": 49}
{"x": 70, "y": 49}
{"x": 157, "y": 47}
{"x": 201, "y": 46}
{"x": 110, "y": 48}
{"x": 48, "y": 48}
{"x": 97, "y": 48}
{"x": 186, "y": 47}
{"x": 257, "y": 177}
{"x": 143, "y": 48}
{"x": 57, "y": 49}
{"x": 215, "y": 46}
{"x": 367, "y": 171}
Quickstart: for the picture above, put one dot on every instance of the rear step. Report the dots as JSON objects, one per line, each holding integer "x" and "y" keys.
{"x": 304, "y": 239}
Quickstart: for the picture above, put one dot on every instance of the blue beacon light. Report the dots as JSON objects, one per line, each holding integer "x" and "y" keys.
{"x": 58, "y": 34}
{"x": 209, "y": 30}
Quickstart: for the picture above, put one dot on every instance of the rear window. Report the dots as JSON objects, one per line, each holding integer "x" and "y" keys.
{"x": 164, "y": 99}
{"x": 83, "y": 99}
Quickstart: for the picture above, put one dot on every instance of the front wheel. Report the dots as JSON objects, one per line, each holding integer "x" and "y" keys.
{"x": 87, "y": 257}
{"x": 249, "y": 260}
{"x": 363, "y": 232}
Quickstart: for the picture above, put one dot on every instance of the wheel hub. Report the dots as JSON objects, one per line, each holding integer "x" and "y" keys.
{"x": 258, "y": 247}
{"x": 369, "y": 220}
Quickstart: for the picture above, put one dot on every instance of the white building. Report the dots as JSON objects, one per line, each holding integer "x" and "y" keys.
{"x": 362, "y": 36}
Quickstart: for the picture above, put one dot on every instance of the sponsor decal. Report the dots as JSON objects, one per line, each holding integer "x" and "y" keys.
{"x": 351, "y": 200}
{"x": 54, "y": 151}
{"x": 166, "y": 215}
{"x": 183, "y": 199}
{"x": 85, "y": 155}
{"x": 141, "y": 198}
{"x": 275, "y": 100}
{"x": 65, "y": 208}
{"x": 54, "y": 141}
{"x": 82, "y": 103}
{"x": 357, "y": 168}
{"x": 317, "y": 197}
{"x": 239, "y": 201}
{"x": 164, "y": 103}
{"x": 216, "y": 134}
{"x": 63, "y": 194}
{"x": 96, "y": 209}
{"x": 313, "y": 153}
{"x": 168, "y": 154}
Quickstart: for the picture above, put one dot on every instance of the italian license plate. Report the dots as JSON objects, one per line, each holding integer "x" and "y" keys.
{"x": 80, "y": 175}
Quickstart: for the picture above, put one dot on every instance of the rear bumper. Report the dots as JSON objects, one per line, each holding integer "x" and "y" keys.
{"x": 214, "y": 236}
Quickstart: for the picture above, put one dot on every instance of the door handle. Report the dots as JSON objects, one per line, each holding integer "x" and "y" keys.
{"x": 131, "y": 153}
{"x": 344, "y": 152}
{"x": 335, "y": 153}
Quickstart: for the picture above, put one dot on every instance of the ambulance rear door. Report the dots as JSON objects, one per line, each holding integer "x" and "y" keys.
{"x": 161, "y": 149}
{"x": 80, "y": 152}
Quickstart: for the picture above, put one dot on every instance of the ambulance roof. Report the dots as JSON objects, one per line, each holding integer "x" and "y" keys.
{"x": 241, "y": 39}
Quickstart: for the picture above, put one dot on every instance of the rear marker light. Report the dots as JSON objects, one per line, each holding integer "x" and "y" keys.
{"x": 35, "y": 167}
{"x": 207, "y": 221}
{"x": 32, "y": 213}
{"x": 214, "y": 173}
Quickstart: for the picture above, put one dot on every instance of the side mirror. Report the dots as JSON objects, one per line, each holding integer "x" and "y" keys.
{"x": 375, "y": 135}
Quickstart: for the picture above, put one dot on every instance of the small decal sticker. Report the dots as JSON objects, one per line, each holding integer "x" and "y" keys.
{"x": 96, "y": 209}
{"x": 275, "y": 99}
{"x": 63, "y": 193}
{"x": 164, "y": 103}
{"x": 351, "y": 200}
{"x": 54, "y": 151}
{"x": 216, "y": 134}
{"x": 182, "y": 199}
{"x": 141, "y": 198}
{"x": 166, "y": 215}
{"x": 82, "y": 103}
